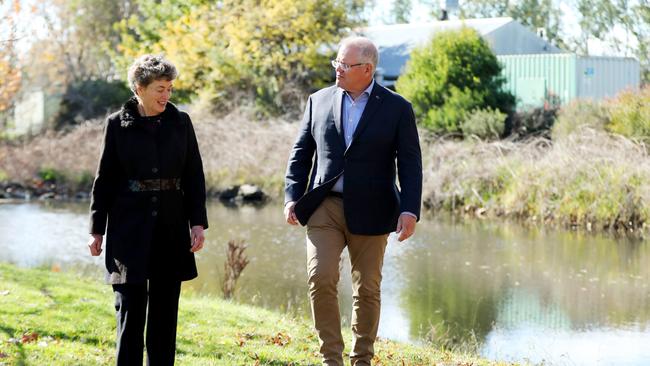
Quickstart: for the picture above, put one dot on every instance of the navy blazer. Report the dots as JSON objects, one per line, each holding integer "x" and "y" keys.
{"x": 385, "y": 145}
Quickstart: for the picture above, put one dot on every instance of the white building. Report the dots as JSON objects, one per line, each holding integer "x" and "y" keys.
{"x": 504, "y": 35}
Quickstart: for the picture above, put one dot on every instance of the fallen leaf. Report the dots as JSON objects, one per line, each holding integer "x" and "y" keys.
{"x": 242, "y": 338}
{"x": 281, "y": 339}
{"x": 3, "y": 355}
{"x": 29, "y": 337}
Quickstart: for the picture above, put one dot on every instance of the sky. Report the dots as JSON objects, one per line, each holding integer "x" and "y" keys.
{"x": 31, "y": 27}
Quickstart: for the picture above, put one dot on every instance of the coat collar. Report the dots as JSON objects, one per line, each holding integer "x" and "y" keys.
{"x": 129, "y": 114}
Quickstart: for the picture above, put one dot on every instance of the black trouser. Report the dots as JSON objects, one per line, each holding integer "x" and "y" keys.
{"x": 161, "y": 318}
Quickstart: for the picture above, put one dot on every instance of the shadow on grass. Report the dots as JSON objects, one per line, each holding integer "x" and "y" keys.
{"x": 11, "y": 332}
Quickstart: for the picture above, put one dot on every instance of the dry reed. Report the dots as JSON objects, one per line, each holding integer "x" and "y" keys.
{"x": 236, "y": 261}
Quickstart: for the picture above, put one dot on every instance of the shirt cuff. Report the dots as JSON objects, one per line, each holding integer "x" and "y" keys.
{"x": 410, "y": 214}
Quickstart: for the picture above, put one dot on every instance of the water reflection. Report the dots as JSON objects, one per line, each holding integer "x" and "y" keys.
{"x": 513, "y": 293}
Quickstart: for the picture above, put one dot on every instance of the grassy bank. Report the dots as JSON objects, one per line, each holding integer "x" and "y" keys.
{"x": 235, "y": 148}
{"x": 588, "y": 179}
{"x": 49, "y": 318}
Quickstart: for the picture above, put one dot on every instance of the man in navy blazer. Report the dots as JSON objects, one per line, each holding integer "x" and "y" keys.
{"x": 355, "y": 139}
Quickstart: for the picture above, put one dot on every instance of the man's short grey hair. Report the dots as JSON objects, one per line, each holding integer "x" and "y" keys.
{"x": 148, "y": 68}
{"x": 366, "y": 48}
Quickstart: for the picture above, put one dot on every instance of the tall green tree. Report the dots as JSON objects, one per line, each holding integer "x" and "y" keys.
{"x": 621, "y": 25}
{"x": 453, "y": 75}
{"x": 635, "y": 19}
{"x": 597, "y": 19}
{"x": 531, "y": 13}
{"x": 401, "y": 11}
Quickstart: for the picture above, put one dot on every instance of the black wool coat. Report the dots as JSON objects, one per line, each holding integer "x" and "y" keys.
{"x": 148, "y": 227}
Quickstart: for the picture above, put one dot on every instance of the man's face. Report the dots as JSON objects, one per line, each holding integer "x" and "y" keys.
{"x": 356, "y": 78}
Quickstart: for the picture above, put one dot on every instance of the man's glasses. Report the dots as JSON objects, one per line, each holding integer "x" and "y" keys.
{"x": 345, "y": 67}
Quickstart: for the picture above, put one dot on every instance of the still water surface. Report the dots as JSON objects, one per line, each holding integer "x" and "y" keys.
{"x": 518, "y": 294}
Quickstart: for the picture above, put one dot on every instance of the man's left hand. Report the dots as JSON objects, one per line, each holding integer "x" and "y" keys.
{"x": 405, "y": 226}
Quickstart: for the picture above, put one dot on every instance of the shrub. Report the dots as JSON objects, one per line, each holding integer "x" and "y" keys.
{"x": 455, "y": 73}
{"x": 484, "y": 123}
{"x": 630, "y": 114}
{"x": 89, "y": 99}
{"x": 533, "y": 122}
{"x": 578, "y": 114}
{"x": 48, "y": 174}
{"x": 83, "y": 181}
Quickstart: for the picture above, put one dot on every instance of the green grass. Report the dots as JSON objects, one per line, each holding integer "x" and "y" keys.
{"x": 49, "y": 318}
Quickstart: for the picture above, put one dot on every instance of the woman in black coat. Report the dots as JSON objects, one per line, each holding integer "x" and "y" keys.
{"x": 149, "y": 199}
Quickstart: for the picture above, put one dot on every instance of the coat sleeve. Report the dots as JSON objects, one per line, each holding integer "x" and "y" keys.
{"x": 104, "y": 186}
{"x": 409, "y": 163}
{"x": 193, "y": 181}
{"x": 300, "y": 159}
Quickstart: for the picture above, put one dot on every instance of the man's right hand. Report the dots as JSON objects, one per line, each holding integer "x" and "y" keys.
{"x": 289, "y": 215}
{"x": 95, "y": 244}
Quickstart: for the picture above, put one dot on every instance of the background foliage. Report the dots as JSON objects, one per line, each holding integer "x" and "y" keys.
{"x": 269, "y": 51}
{"x": 450, "y": 77}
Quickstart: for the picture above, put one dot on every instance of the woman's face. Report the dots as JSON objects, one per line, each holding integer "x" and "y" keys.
{"x": 154, "y": 97}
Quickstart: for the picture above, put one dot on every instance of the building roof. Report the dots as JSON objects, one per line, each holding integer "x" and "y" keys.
{"x": 414, "y": 34}
{"x": 395, "y": 42}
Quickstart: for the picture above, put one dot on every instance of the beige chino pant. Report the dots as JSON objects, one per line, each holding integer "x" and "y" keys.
{"x": 327, "y": 235}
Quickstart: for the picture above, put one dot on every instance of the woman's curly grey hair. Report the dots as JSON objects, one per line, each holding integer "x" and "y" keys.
{"x": 147, "y": 68}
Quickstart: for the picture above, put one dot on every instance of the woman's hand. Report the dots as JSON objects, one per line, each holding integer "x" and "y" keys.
{"x": 95, "y": 244}
{"x": 197, "y": 238}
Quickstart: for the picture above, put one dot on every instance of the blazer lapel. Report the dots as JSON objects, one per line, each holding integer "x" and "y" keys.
{"x": 374, "y": 101}
{"x": 337, "y": 106}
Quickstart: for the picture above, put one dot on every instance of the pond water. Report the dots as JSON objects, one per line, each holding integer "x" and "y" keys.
{"x": 512, "y": 293}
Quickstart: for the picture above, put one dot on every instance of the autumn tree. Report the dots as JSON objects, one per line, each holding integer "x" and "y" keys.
{"x": 79, "y": 35}
{"x": 269, "y": 51}
{"x": 72, "y": 60}
{"x": 10, "y": 75}
{"x": 531, "y": 13}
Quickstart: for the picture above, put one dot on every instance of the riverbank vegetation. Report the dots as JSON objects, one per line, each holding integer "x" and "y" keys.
{"x": 62, "y": 319}
{"x": 583, "y": 165}
{"x": 583, "y": 173}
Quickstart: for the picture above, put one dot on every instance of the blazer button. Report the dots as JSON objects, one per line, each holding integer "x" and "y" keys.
{"x": 154, "y": 170}
{"x": 154, "y": 199}
{"x": 154, "y": 213}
